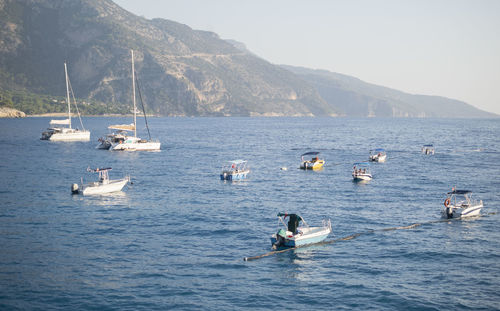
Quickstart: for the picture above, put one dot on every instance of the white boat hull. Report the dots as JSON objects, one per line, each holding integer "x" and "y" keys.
{"x": 461, "y": 212}
{"x": 67, "y": 135}
{"x": 305, "y": 236}
{"x": 137, "y": 146}
{"x": 99, "y": 188}
{"x": 377, "y": 158}
{"x": 361, "y": 177}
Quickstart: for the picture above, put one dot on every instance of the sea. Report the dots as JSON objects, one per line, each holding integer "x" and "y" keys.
{"x": 177, "y": 236}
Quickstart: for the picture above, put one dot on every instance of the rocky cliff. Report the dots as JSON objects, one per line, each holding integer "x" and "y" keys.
{"x": 182, "y": 71}
{"x": 6, "y": 112}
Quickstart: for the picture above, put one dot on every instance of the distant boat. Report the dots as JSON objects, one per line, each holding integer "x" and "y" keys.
{"x": 313, "y": 164}
{"x": 59, "y": 133}
{"x": 122, "y": 142}
{"x": 428, "y": 149}
{"x": 361, "y": 171}
{"x": 293, "y": 235}
{"x": 378, "y": 155}
{"x": 459, "y": 204}
{"x": 102, "y": 186}
{"x": 234, "y": 170}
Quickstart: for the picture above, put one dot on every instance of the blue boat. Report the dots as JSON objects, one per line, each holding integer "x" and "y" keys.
{"x": 293, "y": 235}
{"x": 234, "y": 170}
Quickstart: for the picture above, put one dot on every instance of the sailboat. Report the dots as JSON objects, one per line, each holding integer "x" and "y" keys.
{"x": 129, "y": 143}
{"x": 59, "y": 133}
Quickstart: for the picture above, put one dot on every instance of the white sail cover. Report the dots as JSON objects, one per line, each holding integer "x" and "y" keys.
{"x": 122, "y": 127}
{"x": 59, "y": 122}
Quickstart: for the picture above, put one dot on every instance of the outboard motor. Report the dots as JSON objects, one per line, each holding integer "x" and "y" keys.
{"x": 280, "y": 239}
{"x": 74, "y": 189}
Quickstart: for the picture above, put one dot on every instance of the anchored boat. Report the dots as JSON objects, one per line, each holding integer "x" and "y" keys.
{"x": 361, "y": 171}
{"x": 132, "y": 143}
{"x": 103, "y": 185}
{"x": 378, "y": 155}
{"x": 293, "y": 235}
{"x": 57, "y": 132}
{"x": 428, "y": 149}
{"x": 313, "y": 164}
{"x": 459, "y": 203}
{"x": 115, "y": 138}
{"x": 234, "y": 170}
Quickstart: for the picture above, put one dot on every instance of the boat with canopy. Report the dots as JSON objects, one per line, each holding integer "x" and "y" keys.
{"x": 378, "y": 155}
{"x": 234, "y": 170}
{"x": 61, "y": 130}
{"x": 102, "y": 186}
{"x": 313, "y": 164}
{"x": 293, "y": 234}
{"x": 361, "y": 171}
{"x": 428, "y": 149}
{"x": 459, "y": 204}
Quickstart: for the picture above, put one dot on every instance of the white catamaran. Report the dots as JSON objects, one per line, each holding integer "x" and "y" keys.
{"x": 121, "y": 141}
{"x": 60, "y": 133}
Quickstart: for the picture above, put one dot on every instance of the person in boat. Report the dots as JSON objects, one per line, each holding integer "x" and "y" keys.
{"x": 293, "y": 222}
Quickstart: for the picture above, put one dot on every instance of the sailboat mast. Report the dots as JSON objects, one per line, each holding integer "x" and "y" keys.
{"x": 133, "y": 94}
{"x": 67, "y": 94}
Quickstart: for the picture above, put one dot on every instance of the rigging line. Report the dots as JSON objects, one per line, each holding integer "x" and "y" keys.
{"x": 142, "y": 104}
{"x": 74, "y": 100}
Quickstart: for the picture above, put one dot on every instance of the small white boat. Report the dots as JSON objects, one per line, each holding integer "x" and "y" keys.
{"x": 113, "y": 138}
{"x": 459, "y": 204}
{"x": 102, "y": 186}
{"x": 314, "y": 164}
{"x": 428, "y": 149}
{"x": 234, "y": 170}
{"x": 134, "y": 143}
{"x": 361, "y": 171}
{"x": 378, "y": 155}
{"x": 57, "y": 132}
{"x": 293, "y": 235}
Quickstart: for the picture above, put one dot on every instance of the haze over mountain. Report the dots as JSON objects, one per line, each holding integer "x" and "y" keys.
{"x": 182, "y": 71}
{"x": 353, "y": 97}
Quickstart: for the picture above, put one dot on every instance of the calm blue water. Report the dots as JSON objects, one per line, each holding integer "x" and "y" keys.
{"x": 177, "y": 237}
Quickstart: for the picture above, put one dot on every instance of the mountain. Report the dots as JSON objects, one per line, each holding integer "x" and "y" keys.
{"x": 182, "y": 71}
{"x": 353, "y": 97}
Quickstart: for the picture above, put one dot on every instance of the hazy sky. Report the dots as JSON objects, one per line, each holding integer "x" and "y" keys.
{"x": 449, "y": 48}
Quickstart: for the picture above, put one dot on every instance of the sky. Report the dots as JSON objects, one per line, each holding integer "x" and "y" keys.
{"x": 448, "y": 48}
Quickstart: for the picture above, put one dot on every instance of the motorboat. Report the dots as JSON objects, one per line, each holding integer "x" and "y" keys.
{"x": 114, "y": 138}
{"x": 313, "y": 164}
{"x": 428, "y": 149}
{"x": 292, "y": 234}
{"x": 361, "y": 171}
{"x": 378, "y": 155}
{"x": 61, "y": 130}
{"x": 234, "y": 170}
{"x": 132, "y": 143}
{"x": 459, "y": 204}
{"x": 102, "y": 186}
